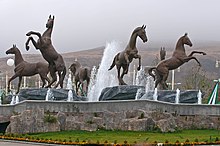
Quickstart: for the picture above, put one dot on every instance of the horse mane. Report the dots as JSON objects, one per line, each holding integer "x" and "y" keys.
{"x": 136, "y": 30}
{"x": 77, "y": 63}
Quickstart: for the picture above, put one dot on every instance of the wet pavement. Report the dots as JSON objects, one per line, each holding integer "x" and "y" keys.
{"x": 20, "y": 143}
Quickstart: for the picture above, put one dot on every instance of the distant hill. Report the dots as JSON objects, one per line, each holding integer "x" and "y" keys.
{"x": 149, "y": 56}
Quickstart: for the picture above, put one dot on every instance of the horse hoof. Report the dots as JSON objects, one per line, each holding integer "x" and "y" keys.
{"x": 122, "y": 83}
{"x": 27, "y": 48}
{"x": 28, "y": 34}
{"x": 48, "y": 87}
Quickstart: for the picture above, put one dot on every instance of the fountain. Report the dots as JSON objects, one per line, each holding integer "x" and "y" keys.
{"x": 105, "y": 78}
{"x": 138, "y": 94}
{"x": 155, "y": 96}
{"x": 149, "y": 84}
{"x": 177, "y": 96}
{"x": 70, "y": 95}
{"x": 49, "y": 95}
{"x": 92, "y": 78}
{"x": 16, "y": 99}
{"x": 12, "y": 100}
{"x": 199, "y": 95}
{"x": 69, "y": 82}
{"x": 134, "y": 76}
{"x": 140, "y": 78}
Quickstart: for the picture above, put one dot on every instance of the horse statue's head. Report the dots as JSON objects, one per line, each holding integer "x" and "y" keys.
{"x": 12, "y": 50}
{"x": 186, "y": 40}
{"x": 74, "y": 66}
{"x": 141, "y": 33}
{"x": 50, "y": 22}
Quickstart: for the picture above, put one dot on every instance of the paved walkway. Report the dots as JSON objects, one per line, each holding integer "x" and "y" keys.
{"x": 20, "y": 143}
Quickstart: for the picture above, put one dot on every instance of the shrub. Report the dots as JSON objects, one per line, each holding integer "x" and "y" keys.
{"x": 50, "y": 118}
{"x": 141, "y": 116}
{"x": 95, "y": 115}
{"x": 90, "y": 122}
{"x": 77, "y": 140}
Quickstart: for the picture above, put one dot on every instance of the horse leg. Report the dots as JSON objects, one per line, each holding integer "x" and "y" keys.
{"x": 34, "y": 33}
{"x": 121, "y": 82}
{"x": 43, "y": 80}
{"x": 33, "y": 42}
{"x": 46, "y": 78}
{"x": 58, "y": 83}
{"x": 118, "y": 70}
{"x": 196, "y": 52}
{"x": 19, "y": 84}
{"x": 126, "y": 58}
{"x": 164, "y": 84}
{"x": 82, "y": 86}
{"x": 76, "y": 84}
{"x": 53, "y": 75}
{"x": 158, "y": 80}
{"x": 87, "y": 84}
{"x": 9, "y": 81}
{"x": 139, "y": 58}
{"x": 62, "y": 76}
{"x": 125, "y": 71}
{"x": 191, "y": 57}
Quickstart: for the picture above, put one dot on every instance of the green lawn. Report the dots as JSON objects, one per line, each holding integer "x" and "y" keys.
{"x": 131, "y": 136}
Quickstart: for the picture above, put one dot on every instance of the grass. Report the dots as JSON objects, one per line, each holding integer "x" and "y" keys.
{"x": 102, "y": 136}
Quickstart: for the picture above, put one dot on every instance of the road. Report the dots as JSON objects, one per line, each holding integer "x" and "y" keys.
{"x": 20, "y": 143}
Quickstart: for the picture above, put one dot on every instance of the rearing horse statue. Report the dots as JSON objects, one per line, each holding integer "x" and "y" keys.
{"x": 178, "y": 58}
{"x": 55, "y": 60}
{"x": 124, "y": 58}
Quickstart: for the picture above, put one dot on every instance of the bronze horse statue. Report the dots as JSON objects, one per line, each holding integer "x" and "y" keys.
{"x": 81, "y": 74}
{"x": 178, "y": 58}
{"x": 55, "y": 60}
{"x": 23, "y": 68}
{"x": 124, "y": 58}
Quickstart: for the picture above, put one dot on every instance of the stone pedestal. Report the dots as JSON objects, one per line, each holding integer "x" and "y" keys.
{"x": 40, "y": 94}
{"x": 122, "y": 92}
{"x": 129, "y": 92}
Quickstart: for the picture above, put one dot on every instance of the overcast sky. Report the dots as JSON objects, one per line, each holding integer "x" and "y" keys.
{"x": 86, "y": 24}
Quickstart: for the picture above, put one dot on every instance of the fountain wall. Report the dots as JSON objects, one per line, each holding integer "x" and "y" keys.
{"x": 112, "y": 106}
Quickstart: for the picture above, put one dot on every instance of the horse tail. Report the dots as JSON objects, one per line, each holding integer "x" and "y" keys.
{"x": 151, "y": 73}
{"x": 113, "y": 63}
